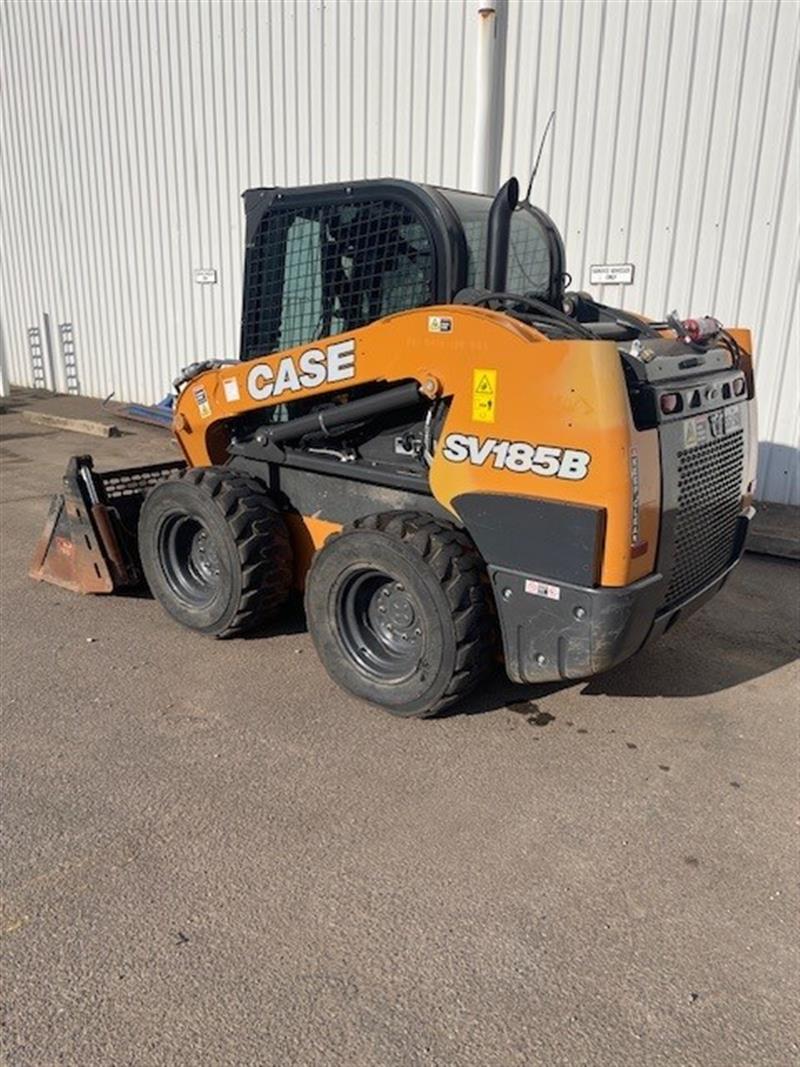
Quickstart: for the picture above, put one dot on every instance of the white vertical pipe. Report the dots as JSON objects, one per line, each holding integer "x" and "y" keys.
{"x": 5, "y": 388}
{"x": 489, "y": 94}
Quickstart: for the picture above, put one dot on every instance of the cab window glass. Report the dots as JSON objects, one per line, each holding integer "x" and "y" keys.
{"x": 529, "y": 263}
{"x": 316, "y": 271}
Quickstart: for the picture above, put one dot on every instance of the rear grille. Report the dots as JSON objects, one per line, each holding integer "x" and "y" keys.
{"x": 709, "y": 505}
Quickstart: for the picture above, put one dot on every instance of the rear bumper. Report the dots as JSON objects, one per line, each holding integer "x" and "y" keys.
{"x": 577, "y": 631}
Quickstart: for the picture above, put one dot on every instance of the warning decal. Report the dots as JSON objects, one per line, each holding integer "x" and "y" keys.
{"x": 551, "y": 592}
{"x": 484, "y": 395}
{"x": 203, "y": 405}
{"x": 440, "y": 324}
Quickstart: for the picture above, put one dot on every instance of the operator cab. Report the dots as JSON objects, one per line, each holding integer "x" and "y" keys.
{"x": 328, "y": 259}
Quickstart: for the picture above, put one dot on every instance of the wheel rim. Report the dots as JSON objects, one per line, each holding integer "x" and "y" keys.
{"x": 189, "y": 560}
{"x": 380, "y": 625}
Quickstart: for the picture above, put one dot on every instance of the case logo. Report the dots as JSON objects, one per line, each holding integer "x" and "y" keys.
{"x": 314, "y": 367}
{"x": 548, "y": 461}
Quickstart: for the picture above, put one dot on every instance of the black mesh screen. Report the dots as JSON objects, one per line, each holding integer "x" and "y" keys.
{"x": 136, "y": 480}
{"x": 529, "y": 262}
{"x": 329, "y": 268}
{"x": 125, "y": 490}
{"x": 709, "y": 505}
{"x": 528, "y": 254}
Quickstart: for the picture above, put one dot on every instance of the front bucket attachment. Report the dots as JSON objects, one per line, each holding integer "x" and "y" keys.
{"x": 88, "y": 543}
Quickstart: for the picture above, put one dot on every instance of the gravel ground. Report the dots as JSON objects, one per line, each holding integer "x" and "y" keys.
{"x": 213, "y": 856}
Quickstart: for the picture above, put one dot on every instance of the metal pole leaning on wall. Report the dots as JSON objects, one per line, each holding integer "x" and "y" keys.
{"x": 5, "y": 387}
{"x": 490, "y": 72}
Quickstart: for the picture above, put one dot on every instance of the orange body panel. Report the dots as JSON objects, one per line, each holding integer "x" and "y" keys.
{"x": 308, "y": 533}
{"x": 566, "y": 395}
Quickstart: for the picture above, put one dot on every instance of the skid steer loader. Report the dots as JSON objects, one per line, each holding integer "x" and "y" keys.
{"x": 454, "y": 458}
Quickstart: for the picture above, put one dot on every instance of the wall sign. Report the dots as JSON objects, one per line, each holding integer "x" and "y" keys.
{"x": 205, "y": 275}
{"x": 611, "y": 274}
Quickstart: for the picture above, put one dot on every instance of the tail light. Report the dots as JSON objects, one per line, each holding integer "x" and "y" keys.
{"x": 671, "y": 403}
{"x": 739, "y": 387}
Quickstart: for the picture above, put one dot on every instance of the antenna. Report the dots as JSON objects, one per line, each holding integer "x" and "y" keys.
{"x": 539, "y": 156}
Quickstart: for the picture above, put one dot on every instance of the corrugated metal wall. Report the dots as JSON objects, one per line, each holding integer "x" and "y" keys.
{"x": 130, "y": 128}
{"x": 676, "y": 149}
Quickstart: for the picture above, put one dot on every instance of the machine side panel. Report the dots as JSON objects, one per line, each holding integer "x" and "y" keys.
{"x": 528, "y": 417}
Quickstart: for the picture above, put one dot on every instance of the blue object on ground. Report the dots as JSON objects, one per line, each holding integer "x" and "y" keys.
{"x": 156, "y": 414}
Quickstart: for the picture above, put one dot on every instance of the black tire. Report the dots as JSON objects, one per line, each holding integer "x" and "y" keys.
{"x": 399, "y": 610}
{"x": 215, "y": 550}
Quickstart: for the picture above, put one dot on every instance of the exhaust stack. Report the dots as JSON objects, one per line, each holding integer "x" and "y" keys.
{"x": 497, "y": 238}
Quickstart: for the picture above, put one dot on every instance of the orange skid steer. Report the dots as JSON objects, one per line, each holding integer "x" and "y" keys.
{"x": 451, "y": 455}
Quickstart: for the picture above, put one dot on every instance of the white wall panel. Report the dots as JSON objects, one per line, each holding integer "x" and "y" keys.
{"x": 675, "y": 148}
{"x": 129, "y": 129}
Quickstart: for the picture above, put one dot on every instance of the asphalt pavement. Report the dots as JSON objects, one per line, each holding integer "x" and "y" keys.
{"x": 213, "y": 856}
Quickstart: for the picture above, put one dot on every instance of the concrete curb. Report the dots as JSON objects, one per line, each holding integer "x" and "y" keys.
{"x": 66, "y": 422}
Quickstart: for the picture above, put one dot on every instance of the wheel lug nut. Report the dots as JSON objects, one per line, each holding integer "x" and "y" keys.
{"x": 399, "y": 588}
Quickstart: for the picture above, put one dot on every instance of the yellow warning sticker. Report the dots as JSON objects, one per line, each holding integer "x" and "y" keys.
{"x": 203, "y": 405}
{"x": 440, "y": 324}
{"x": 484, "y": 395}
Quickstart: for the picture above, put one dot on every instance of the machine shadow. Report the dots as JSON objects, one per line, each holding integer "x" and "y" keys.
{"x": 716, "y": 649}
{"x": 291, "y": 620}
{"x": 663, "y": 671}
{"x": 722, "y": 646}
{"x": 683, "y": 671}
{"x": 712, "y": 651}
{"x": 748, "y": 631}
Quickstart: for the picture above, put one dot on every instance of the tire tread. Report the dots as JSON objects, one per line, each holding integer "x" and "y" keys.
{"x": 459, "y": 568}
{"x": 262, "y": 542}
